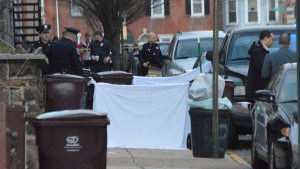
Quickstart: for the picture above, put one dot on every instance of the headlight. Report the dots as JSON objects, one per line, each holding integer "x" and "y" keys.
{"x": 175, "y": 72}
{"x": 188, "y": 70}
{"x": 239, "y": 91}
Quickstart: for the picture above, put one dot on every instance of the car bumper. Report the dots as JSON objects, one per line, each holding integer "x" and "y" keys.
{"x": 240, "y": 116}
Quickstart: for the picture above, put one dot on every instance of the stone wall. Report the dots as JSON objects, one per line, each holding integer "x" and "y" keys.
{"x": 2, "y": 131}
{"x": 21, "y": 80}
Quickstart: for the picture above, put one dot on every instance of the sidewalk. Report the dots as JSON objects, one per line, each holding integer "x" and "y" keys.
{"x": 165, "y": 159}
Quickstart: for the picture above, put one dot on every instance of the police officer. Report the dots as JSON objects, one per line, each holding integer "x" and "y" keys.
{"x": 150, "y": 55}
{"x": 63, "y": 56}
{"x": 101, "y": 53}
{"x": 45, "y": 42}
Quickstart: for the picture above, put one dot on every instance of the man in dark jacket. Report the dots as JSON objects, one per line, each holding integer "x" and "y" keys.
{"x": 45, "y": 42}
{"x": 257, "y": 53}
{"x": 275, "y": 60}
{"x": 150, "y": 55}
{"x": 101, "y": 53}
{"x": 63, "y": 56}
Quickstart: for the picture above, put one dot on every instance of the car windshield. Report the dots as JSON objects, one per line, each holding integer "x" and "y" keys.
{"x": 188, "y": 48}
{"x": 288, "y": 91}
{"x": 240, "y": 44}
{"x": 164, "y": 48}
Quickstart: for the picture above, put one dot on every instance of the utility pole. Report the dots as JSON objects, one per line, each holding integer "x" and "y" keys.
{"x": 298, "y": 61}
{"x": 215, "y": 117}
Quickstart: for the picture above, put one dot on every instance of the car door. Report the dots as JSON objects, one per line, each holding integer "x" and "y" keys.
{"x": 262, "y": 112}
{"x": 222, "y": 53}
{"x": 167, "y": 63}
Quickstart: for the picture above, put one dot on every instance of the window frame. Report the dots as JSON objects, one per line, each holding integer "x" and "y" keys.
{"x": 162, "y": 15}
{"x": 276, "y": 12}
{"x": 227, "y": 13}
{"x": 197, "y": 14}
{"x": 258, "y": 12}
{"x": 73, "y": 11}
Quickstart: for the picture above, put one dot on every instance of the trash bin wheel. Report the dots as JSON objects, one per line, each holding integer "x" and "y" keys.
{"x": 189, "y": 141}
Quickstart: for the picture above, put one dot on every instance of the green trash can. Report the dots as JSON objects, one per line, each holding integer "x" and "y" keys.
{"x": 72, "y": 139}
{"x": 201, "y": 125}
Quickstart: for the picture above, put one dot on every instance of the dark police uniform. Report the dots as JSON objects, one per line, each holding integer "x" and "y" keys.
{"x": 151, "y": 55}
{"x": 102, "y": 49}
{"x": 45, "y": 47}
{"x": 64, "y": 58}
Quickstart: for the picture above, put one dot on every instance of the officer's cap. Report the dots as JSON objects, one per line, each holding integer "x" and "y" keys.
{"x": 43, "y": 28}
{"x": 72, "y": 30}
{"x": 98, "y": 32}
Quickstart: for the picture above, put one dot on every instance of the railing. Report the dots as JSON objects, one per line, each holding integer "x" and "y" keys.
{"x": 15, "y": 39}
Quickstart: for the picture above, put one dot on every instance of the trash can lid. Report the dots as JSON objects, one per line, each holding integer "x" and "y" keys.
{"x": 64, "y": 76}
{"x": 114, "y": 73}
{"x": 69, "y": 114}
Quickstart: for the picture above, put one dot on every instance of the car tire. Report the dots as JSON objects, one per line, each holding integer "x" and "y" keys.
{"x": 271, "y": 155}
{"x": 256, "y": 163}
{"x": 233, "y": 137}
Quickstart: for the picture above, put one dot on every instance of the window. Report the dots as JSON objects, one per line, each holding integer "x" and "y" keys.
{"x": 252, "y": 11}
{"x": 231, "y": 14}
{"x": 272, "y": 5}
{"x": 197, "y": 7}
{"x": 157, "y": 8}
{"x": 75, "y": 9}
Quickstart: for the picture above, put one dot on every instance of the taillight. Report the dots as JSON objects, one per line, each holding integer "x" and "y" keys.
{"x": 285, "y": 131}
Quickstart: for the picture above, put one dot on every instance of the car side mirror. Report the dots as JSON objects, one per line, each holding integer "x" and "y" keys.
{"x": 166, "y": 57}
{"x": 295, "y": 115}
{"x": 264, "y": 95}
{"x": 209, "y": 55}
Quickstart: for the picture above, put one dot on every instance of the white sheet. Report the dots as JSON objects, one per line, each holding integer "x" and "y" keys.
{"x": 145, "y": 116}
{"x": 184, "y": 78}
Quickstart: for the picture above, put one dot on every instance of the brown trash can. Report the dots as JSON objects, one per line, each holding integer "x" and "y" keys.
{"x": 113, "y": 77}
{"x": 64, "y": 92}
{"x": 229, "y": 89}
{"x": 72, "y": 139}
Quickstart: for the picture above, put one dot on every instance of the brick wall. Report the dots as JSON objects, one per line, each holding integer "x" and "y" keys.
{"x": 65, "y": 19}
{"x": 2, "y": 132}
{"x": 178, "y": 20}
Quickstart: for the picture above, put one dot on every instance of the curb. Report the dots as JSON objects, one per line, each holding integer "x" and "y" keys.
{"x": 238, "y": 159}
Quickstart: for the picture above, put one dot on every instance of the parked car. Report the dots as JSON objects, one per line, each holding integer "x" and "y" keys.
{"x": 271, "y": 118}
{"x": 234, "y": 64}
{"x": 183, "y": 51}
{"x": 293, "y": 137}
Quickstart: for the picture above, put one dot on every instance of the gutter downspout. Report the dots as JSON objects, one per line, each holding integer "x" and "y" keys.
{"x": 57, "y": 19}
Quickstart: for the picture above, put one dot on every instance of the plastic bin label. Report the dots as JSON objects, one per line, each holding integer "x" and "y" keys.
{"x": 72, "y": 144}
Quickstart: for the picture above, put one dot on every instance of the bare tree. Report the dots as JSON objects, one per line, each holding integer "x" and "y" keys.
{"x": 111, "y": 14}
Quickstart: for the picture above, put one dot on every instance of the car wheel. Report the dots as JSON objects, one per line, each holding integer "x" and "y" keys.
{"x": 233, "y": 137}
{"x": 292, "y": 165}
{"x": 272, "y": 156}
{"x": 256, "y": 163}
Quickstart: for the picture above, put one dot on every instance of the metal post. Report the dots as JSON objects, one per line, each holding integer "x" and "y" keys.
{"x": 199, "y": 57}
{"x": 298, "y": 61}
{"x": 215, "y": 117}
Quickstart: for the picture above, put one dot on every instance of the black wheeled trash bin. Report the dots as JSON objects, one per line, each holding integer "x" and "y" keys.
{"x": 201, "y": 124}
{"x": 72, "y": 139}
{"x": 64, "y": 92}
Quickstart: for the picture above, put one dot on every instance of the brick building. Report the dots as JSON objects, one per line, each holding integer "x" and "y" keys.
{"x": 173, "y": 16}
{"x": 68, "y": 16}
{"x": 165, "y": 19}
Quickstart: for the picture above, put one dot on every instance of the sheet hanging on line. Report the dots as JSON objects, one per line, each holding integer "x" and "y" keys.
{"x": 184, "y": 78}
{"x": 146, "y": 116}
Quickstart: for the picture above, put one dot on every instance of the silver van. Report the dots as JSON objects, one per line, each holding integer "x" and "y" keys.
{"x": 183, "y": 51}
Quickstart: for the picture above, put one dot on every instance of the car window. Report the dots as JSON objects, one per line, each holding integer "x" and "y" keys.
{"x": 188, "y": 48}
{"x": 241, "y": 42}
{"x": 288, "y": 91}
{"x": 274, "y": 82}
{"x": 164, "y": 48}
